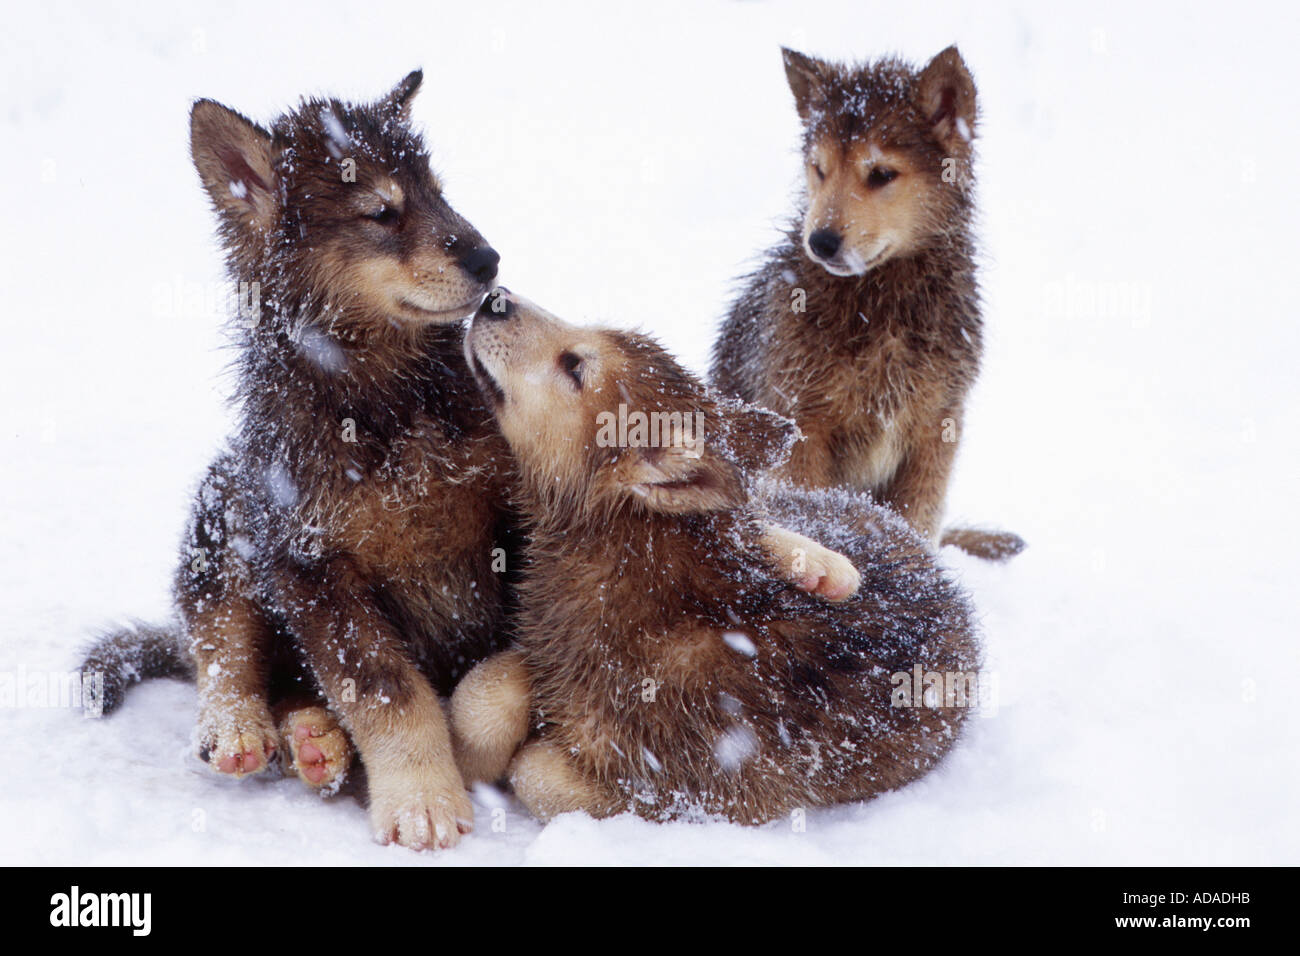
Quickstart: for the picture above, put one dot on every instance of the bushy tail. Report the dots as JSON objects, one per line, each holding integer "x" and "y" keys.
{"x": 989, "y": 545}
{"x": 135, "y": 653}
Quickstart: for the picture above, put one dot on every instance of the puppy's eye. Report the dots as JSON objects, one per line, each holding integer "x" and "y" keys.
{"x": 571, "y": 365}
{"x": 816, "y": 168}
{"x": 880, "y": 176}
{"x": 385, "y": 215}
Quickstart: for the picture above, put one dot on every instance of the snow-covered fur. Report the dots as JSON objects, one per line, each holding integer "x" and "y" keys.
{"x": 863, "y": 325}
{"x": 352, "y": 524}
{"x": 136, "y": 652}
{"x": 669, "y": 668}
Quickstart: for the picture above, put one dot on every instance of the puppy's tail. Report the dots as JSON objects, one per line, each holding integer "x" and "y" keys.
{"x": 989, "y": 545}
{"x": 134, "y": 653}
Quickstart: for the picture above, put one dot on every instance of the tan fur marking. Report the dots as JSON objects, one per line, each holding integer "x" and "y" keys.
{"x": 891, "y": 220}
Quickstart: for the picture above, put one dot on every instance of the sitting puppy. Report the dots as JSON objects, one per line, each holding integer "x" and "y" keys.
{"x": 664, "y": 664}
{"x": 863, "y": 324}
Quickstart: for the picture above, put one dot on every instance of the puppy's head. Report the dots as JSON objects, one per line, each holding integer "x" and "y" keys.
{"x": 341, "y": 199}
{"x": 599, "y": 418}
{"x": 887, "y": 151}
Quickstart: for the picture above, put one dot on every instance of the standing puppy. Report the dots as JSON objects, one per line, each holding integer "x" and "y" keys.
{"x": 864, "y": 324}
{"x": 669, "y": 666}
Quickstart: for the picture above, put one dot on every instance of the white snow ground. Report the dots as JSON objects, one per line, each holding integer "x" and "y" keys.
{"x": 628, "y": 162}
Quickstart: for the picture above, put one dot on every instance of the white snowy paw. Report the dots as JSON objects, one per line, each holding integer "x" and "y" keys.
{"x": 420, "y": 817}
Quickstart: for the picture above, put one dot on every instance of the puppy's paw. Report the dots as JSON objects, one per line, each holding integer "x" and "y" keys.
{"x": 317, "y": 746}
{"x": 810, "y": 565}
{"x": 238, "y": 740}
{"x": 421, "y": 811}
{"x": 828, "y": 573}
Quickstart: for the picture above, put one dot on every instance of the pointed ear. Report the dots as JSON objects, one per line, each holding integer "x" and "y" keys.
{"x": 680, "y": 480}
{"x": 400, "y": 99}
{"x": 235, "y": 160}
{"x": 758, "y": 439}
{"x": 807, "y": 77}
{"x": 945, "y": 93}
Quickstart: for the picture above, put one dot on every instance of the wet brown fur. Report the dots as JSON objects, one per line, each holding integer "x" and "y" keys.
{"x": 642, "y": 568}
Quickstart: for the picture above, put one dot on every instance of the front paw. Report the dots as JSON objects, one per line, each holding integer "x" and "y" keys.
{"x": 238, "y": 740}
{"x": 422, "y": 811}
{"x": 828, "y": 574}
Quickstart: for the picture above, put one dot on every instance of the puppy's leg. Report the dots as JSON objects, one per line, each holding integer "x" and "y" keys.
{"x": 417, "y": 797}
{"x": 548, "y": 784}
{"x": 810, "y": 565}
{"x": 489, "y": 716}
{"x": 920, "y": 485}
{"x": 229, "y": 641}
{"x": 812, "y": 462}
{"x": 229, "y": 635}
{"x": 317, "y": 746}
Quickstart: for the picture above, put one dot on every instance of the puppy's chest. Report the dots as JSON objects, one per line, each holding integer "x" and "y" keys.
{"x": 861, "y": 402}
{"x": 429, "y": 503}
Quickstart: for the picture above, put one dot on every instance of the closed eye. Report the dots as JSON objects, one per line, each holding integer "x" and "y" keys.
{"x": 881, "y": 176}
{"x": 821, "y": 176}
{"x": 385, "y": 215}
{"x": 571, "y": 365}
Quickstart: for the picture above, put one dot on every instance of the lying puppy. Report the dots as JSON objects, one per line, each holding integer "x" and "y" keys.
{"x": 663, "y": 664}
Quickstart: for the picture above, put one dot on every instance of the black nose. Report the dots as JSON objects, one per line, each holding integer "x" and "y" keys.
{"x": 481, "y": 263}
{"x": 497, "y": 305}
{"x": 824, "y": 243}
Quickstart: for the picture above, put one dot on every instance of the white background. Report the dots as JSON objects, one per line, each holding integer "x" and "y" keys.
{"x": 628, "y": 162}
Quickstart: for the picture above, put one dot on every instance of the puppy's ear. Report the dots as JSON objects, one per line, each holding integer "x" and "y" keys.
{"x": 235, "y": 160}
{"x": 680, "y": 480}
{"x": 399, "y": 101}
{"x": 807, "y": 77}
{"x": 945, "y": 93}
{"x": 756, "y": 438}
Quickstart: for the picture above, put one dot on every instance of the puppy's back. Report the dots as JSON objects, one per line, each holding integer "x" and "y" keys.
{"x": 908, "y": 618}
